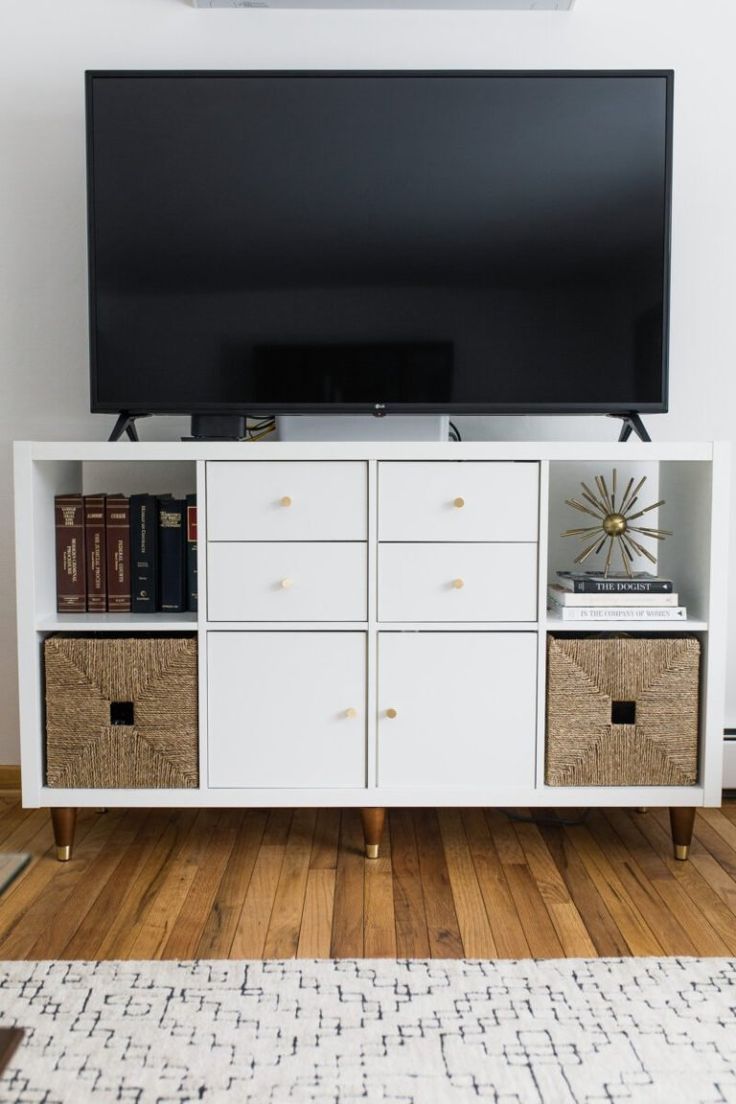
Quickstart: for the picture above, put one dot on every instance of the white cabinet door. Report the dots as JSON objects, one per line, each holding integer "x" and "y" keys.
{"x": 458, "y": 501}
{"x": 286, "y": 709}
{"x": 287, "y": 581}
{"x": 287, "y": 500}
{"x": 457, "y": 709}
{"x": 457, "y": 582}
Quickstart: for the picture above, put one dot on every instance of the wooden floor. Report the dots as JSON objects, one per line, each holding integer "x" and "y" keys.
{"x": 449, "y": 883}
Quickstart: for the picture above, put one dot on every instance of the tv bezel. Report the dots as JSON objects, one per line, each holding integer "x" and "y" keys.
{"x": 479, "y": 408}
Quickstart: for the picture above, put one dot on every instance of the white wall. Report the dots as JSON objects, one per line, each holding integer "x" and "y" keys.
{"x": 46, "y": 44}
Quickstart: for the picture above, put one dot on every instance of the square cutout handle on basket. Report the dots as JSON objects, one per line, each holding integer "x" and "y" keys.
{"x": 623, "y": 712}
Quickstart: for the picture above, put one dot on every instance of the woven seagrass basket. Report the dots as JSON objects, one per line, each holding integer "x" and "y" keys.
{"x": 121, "y": 712}
{"x": 622, "y": 711}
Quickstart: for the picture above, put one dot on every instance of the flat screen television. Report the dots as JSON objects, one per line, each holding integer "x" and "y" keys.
{"x": 357, "y": 242}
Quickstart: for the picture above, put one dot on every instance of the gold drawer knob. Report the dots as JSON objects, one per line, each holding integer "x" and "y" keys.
{"x": 286, "y": 584}
{"x": 285, "y": 501}
{"x": 391, "y": 713}
{"x": 458, "y": 584}
{"x": 351, "y": 713}
{"x": 459, "y": 503}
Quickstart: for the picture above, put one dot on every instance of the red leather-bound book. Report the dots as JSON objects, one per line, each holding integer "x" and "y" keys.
{"x": 117, "y": 534}
{"x": 71, "y": 578}
{"x": 94, "y": 543}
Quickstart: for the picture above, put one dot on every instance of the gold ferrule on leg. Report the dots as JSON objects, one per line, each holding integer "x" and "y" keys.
{"x": 681, "y": 851}
{"x": 64, "y": 854}
{"x": 371, "y": 850}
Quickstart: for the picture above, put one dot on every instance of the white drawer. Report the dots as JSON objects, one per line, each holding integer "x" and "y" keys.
{"x": 286, "y": 581}
{"x": 285, "y": 500}
{"x": 457, "y": 582}
{"x": 458, "y": 500}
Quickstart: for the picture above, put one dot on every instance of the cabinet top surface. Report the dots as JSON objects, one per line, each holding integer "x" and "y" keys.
{"x": 369, "y": 450}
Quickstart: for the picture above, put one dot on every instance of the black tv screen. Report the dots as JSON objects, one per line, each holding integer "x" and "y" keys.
{"x": 467, "y": 242}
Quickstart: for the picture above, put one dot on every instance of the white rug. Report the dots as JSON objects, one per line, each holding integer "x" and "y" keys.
{"x": 641, "y": 1031}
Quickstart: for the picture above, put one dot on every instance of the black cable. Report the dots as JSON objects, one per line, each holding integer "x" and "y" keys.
{"x": 550, "y": 821}
{"x": 455, "y": 434}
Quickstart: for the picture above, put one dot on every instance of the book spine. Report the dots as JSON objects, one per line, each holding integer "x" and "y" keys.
{"x": 71, "y": 576}
{"x": 192, "y": 585}
{"x": 616, "y": 613}
{"x": 117, "y": 517}
{"x": 621, "y": 586}
{"x": 172, "y": 555}
{"x": 95, "y": 554}
{"x": 566, "y": 598}
{"x": 144, "y": 553}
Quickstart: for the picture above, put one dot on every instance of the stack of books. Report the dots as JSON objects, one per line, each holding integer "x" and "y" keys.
{"x": 126, "y": 554}
{"x": 592, "y": 596}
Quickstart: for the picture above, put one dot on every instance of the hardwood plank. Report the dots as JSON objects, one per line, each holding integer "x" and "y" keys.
{"x": 347, "y": 923}
{"x": 505, "y": 839}
{"x": 326, "y": 839}
{"x": 603, "y": 930}
{"x": 160, "y": 919}
{"x": 379, "y": 925}
{"x": 211, "y": 860}
{"x": 670, "y": 933}
{"x": 250, "y": 932}
{"x": 508, "y": 934}
{"x": 315, "y": 933}
{"x": 412, "y": 938}
{"x": 443, "y": 929}
{"x": 117, "y": 831}
{"x": 52, "y": 885}
{"x": 475, "y": 930}
{"x": 566, "y": 920}
{"x": 117, "y": 941}
{"x": 676, "y": 901}
{"x": 215, "y": 883}
{"x": 689, "y": 876}
{"x": 219, "y": 931}
{"x": 104, "y": 910}
{"x": 631, "y": 924}
{"x": 282, "y": 936}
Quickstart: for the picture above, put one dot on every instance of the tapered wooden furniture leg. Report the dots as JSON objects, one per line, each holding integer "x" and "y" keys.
{"x": 64, "y": 822}
{"x": 372, "y": 830}
{"x": 682, "y": 822}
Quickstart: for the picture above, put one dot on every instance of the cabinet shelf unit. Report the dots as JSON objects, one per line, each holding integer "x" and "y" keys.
{"x": 372, "y": 623}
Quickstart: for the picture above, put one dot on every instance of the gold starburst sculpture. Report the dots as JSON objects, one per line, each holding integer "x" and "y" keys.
{"x": 614, "y": 528}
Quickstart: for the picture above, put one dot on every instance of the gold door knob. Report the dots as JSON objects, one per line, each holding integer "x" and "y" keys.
{"x": 458, "y": 584}
{"x": 285, "y": 501}
{"x": 286, "y": 583}
{"x": 391, "y": 713}
{"x": 351, "y": 713}
{"x": 459, "y": 503}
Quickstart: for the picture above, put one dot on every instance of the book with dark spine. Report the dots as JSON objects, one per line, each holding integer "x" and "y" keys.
{"x": 192, "y": 592}
{"x": 71, "y": 575}
{"x": 117, "y": 535}
{"x": 594, "y": 582}
{"x": 172, "y": 555}
{"x": 144, "y": 553}
{"x": 94, "y": 545}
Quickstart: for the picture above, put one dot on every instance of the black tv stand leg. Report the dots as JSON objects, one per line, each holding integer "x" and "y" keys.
{"x": 126, "y": 424}
{"x": 632, "y": 423}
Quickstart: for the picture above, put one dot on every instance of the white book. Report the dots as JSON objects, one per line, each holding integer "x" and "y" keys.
{"x": 618, "y": 613}
{"x": 565, "y": 597}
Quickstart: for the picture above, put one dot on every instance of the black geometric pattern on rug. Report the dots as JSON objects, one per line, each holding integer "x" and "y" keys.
{"x": 629, "y": 1031}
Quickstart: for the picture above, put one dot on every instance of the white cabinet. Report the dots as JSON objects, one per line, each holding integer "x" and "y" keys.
{"x": 281, "y": 500}
{"x": 286, "y": 709}
{"x": 286, "y": 581}
{"x": 457, "y": 582}
{"x": 468, "y": 501}
{"x": 457, "y": 710}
